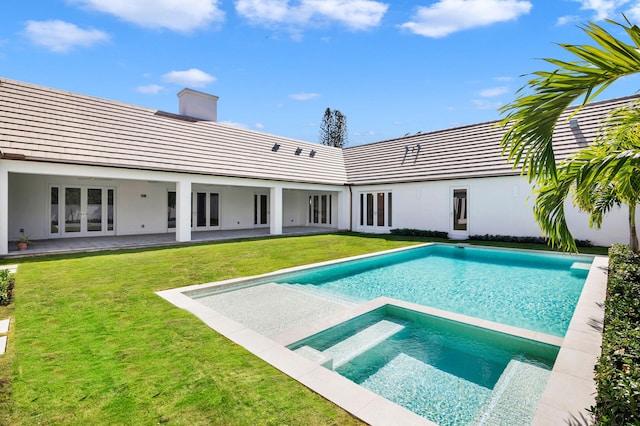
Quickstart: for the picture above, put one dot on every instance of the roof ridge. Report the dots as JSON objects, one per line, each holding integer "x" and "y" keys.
{"x": 485, "y": 123}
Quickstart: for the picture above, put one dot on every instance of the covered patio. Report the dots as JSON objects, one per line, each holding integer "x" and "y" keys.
{"x": 117, "y": 242}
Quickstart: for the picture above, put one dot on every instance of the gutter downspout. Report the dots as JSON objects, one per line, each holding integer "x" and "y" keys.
{"x": 350, "y": 209}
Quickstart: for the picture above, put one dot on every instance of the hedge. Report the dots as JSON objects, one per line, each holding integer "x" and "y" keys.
{"x": 618, "y": 368}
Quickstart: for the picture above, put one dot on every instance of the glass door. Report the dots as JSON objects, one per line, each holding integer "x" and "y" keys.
{"x": 206, "y": 210}
{"x": 376, "y": 209}
{"x": 76, "y": 211}
{"x": 459, "y": 213}
{"x": 260, "y": 210}
{"x": 320, "y": 209}
{"x": 94, "y": 210}
{"x": 72, "y": 210}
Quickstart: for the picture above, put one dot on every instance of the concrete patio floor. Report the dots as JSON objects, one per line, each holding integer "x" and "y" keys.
{"x": 88, "y": 244}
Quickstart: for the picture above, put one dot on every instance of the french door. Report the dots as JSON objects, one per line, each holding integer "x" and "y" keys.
{"x": 205, "y": 208}
{"x": 376, "y": 209}
{"x": 320, "y": 209}
{"x": 260, "y": 210}
{"x": 78, "y": 211}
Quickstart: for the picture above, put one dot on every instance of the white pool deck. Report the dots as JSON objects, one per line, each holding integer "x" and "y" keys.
{"x": 570, "y": 390}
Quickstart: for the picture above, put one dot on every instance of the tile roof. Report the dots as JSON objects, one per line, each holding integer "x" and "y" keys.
{"x": 462, "y": 152}
{"x": 46, "y": 124}
{"x": 52, "y": 125}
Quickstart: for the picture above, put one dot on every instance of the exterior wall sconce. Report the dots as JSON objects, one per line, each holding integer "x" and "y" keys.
{"x": 276, "y": 147}
{"x": 312, "y": 153}
{"x": 298, "y": 151}
{"x": 573, "y": 123}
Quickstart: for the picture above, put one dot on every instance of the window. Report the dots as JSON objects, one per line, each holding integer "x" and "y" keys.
{"x": 460, "y": 210}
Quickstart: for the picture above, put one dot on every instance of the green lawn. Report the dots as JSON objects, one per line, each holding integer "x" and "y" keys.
{"x": 92, "y": 344}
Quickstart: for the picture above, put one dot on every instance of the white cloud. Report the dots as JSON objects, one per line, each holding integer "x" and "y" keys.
{"x": 60, "y": 36}
{"x": 150, "y": 89}
{"x": 493, "y": 92}
{"x": 354, "y": 14}
{"x": 303, "y": 96}
{"x": 603, "y": 8}
{"x": 175, "y": 15}
{"x": 259, "y": 126}
{"x": 564, "y": 20}
{"x": 484, "y": 104}
{"x": 634, "y": 13}
{"x": 192, "y": 77}
{"x": 235, "y": 124}
{"x": 504, "y": 78}
{"x": 449, "y": 16}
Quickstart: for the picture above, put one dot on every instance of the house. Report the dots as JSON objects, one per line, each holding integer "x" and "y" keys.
{"x": 73, "y": 165}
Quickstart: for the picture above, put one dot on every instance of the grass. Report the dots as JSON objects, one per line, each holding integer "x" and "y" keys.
{"x": 92, "y": 344}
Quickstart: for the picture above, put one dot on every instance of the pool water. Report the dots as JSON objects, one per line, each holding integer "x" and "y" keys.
{"x": 535, "y": 291}
{"x": 448, "y": 372}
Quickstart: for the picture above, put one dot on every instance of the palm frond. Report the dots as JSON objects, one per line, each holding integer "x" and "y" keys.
{"x": 531, "y": 118}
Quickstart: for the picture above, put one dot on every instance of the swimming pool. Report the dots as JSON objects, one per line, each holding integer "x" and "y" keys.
{"x": 535, "y": 291}
{"x": 448, "y": 372}
{"x": 229, "y": 317}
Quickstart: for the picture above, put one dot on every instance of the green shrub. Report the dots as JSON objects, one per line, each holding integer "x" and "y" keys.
{"x": 618, "y": 368}
{"x": 525, "y": 239}
{"x": 6, "y": 287}
{"x": 407, "y": 232}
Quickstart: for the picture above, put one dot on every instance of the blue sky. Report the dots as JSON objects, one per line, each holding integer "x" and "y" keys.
{"x": 391, "y": 67}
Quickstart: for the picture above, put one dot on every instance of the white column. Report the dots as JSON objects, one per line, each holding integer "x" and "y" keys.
{"x": 344, "y": 209}
{"x": 275, "y": 204}
{"x": 4, "y": 210}
{"x": 183, "y": 211}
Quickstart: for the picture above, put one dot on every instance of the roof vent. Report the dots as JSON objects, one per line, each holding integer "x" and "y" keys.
{"x": 200, "y": 105}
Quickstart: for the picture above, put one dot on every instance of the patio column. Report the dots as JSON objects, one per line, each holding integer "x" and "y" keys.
{"x": 344, "y": 209}
{"x": 183, "y": 211}
{"x": 275, "y": 225}
{"x": 4, "y": 210}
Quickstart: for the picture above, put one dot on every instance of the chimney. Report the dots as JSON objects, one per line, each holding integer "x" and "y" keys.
{"x": 202, "y": 106}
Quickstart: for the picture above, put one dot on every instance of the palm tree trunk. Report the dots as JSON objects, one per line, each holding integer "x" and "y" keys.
{"x": 633, "y": 235}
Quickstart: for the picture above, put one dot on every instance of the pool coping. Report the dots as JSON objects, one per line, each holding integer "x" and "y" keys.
{"x": 569, "y": 391}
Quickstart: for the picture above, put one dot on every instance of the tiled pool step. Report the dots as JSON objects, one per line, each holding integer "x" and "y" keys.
{"x": 427, "y": 390}
{"x": 346, "y": 350}
{"x": 510, "y": 401}
{"x": 580, "y": 269}
{"x": 325, "y": 294}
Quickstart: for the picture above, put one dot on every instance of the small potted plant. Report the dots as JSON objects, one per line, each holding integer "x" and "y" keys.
{"x": 23, "y": 242}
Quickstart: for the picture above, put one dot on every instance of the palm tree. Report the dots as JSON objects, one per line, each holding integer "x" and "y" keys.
{"x": 601, "y": 176}
{"x": 532, "y": 117}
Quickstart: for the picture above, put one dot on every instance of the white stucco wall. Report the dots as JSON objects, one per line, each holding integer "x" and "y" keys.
{"x": 499, "y": 205}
